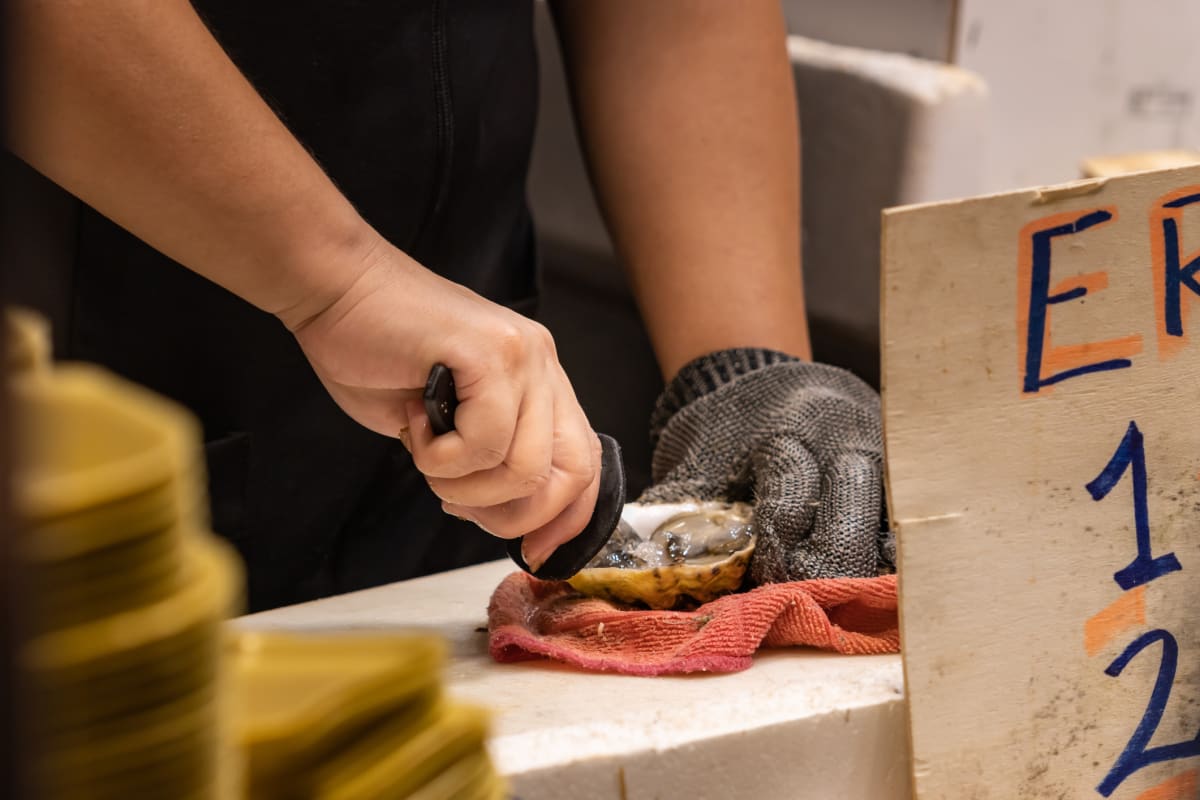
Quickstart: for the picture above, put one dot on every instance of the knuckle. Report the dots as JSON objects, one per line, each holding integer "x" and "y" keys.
{"x": 532, "y": 481}
{"x": 433, "y": 466}
{"x": 544, "y": 338}
{"x": 583, "y": 463}
{"x": 509, "y": 344}
{"x": 515, "y": 341}
{"x": 585, "y": 474}
{"x": 487, "y": 457}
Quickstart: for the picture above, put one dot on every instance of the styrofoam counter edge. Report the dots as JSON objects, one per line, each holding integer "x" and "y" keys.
{"x": 797, "y": 724}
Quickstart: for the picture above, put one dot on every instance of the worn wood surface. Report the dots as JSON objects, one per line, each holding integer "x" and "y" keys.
{"x": 1036, "y": 348}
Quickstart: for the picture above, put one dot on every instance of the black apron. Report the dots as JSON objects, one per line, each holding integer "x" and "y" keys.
{"x": 422, "y": 112}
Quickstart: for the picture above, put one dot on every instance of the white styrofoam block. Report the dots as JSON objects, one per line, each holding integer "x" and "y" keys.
{"x": 923, "y": 28}
{"x": 798, "y": 724}
{"x": 878, "y": 130}
{"x": 939, "y": 113}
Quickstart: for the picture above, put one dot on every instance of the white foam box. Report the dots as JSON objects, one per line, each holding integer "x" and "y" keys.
{"x": 1069, "y": 79}
{"x": 797, "y": 725}
{"x": 1072, "y": 79}
{"x": 878, "y": 129}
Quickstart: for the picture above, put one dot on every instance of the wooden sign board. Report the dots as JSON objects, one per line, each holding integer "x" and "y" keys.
{"x": 1042, "y": 418}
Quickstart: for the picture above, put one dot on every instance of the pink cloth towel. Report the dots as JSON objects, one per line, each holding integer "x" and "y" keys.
{"x": 529, "y": 618}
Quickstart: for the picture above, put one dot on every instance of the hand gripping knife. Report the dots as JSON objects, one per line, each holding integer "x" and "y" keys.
{"x": 573, "y": 555}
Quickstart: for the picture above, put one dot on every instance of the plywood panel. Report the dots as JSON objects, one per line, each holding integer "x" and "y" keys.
{"x": 1040, "y": 400}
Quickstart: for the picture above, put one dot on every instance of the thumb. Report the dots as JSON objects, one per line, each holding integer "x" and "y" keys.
{"x": 845, "y": 540}
{"x": 787, "y": 484}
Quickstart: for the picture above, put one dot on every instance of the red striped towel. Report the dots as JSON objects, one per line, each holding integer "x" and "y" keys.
{"x": 529, "y": 618}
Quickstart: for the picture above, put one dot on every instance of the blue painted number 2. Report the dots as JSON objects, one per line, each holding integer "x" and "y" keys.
{"x": 1136, "y": 755}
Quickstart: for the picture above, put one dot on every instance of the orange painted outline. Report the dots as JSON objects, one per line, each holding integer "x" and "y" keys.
{"x": 1181, "y": 787}
{"x": 1068, "y": 356}
{"x": 1127, "y": 611}
{"x": 1060, "y": 358}
{"x": 1168, "y": 346}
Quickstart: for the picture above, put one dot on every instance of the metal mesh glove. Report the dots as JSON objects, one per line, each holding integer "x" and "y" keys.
{"x": 803, "y": 441}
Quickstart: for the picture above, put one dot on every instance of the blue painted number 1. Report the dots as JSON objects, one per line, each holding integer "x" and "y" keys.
{"x": 1132, "y": 453}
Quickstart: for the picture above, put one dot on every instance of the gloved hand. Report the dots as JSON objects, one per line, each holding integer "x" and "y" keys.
{"x": 803, "y": 441}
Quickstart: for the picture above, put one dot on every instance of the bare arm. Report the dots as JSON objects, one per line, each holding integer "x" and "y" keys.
{"x": 688, "y": 116}
{"x": 134, "y": 107}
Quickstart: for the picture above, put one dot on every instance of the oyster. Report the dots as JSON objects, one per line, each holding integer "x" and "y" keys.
{"x": 672, "y": 555}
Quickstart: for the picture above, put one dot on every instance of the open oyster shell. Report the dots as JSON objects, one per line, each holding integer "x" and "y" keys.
{"x": 672, "y": 555}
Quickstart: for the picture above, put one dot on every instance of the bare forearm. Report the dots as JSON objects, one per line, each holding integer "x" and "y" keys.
{"x": 688, "y": 117}
{"x": 133, "y": 107}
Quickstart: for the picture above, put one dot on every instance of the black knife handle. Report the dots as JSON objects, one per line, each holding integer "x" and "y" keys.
{"x": 574, "y": 554}
{"x": 440, "y": 399}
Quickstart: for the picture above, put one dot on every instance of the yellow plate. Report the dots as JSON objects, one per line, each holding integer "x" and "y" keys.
{"x": 298, "y": 694}
{"x": 152, "y": 784}
{"x": 208, "y": 593}
{"x": 140, "y": 713}
{"x": 180, "y": 735}
{"x": 470, "y": 777}
{"x": 135, "y": 552}
{"x": 170, "y": 669}
{"x": 185, "y": 763}
{"x": 292, "y": 772}
{"x": 117, "y": 579}
{"x": 85, "y": 438}
{"x": 392, "y": 762}
{"x": 183, "y": 750}
{"x": 189, "y": 760}
{"x": 81, "y": 534}
{"x": 166, "y": 662}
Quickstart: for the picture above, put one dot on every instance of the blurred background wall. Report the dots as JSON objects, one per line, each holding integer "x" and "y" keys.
{"x": 901, "y": 101}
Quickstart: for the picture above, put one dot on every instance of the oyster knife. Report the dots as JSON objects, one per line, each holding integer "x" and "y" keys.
{"x": 440, "y": 402}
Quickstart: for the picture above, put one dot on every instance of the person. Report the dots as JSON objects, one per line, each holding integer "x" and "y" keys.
{"x": 294, "y": 210}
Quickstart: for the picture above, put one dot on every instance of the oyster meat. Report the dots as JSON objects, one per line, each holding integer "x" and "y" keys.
{"x": 672, "y": 555}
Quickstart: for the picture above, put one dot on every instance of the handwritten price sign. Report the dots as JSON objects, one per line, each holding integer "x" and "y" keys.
{"x": 1042, "y": 412}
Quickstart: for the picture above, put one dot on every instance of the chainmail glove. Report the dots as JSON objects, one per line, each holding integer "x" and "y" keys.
{"x": 803, "y": 441}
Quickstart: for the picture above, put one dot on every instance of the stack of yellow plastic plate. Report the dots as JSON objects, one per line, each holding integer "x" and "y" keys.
{"x": 136, "y": 694}
{"x": 128, "y": 589}
{"x": 344, "y": 717}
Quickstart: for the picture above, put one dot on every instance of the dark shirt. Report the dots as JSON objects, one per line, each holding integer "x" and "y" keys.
{"x": 422, "y": 113}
